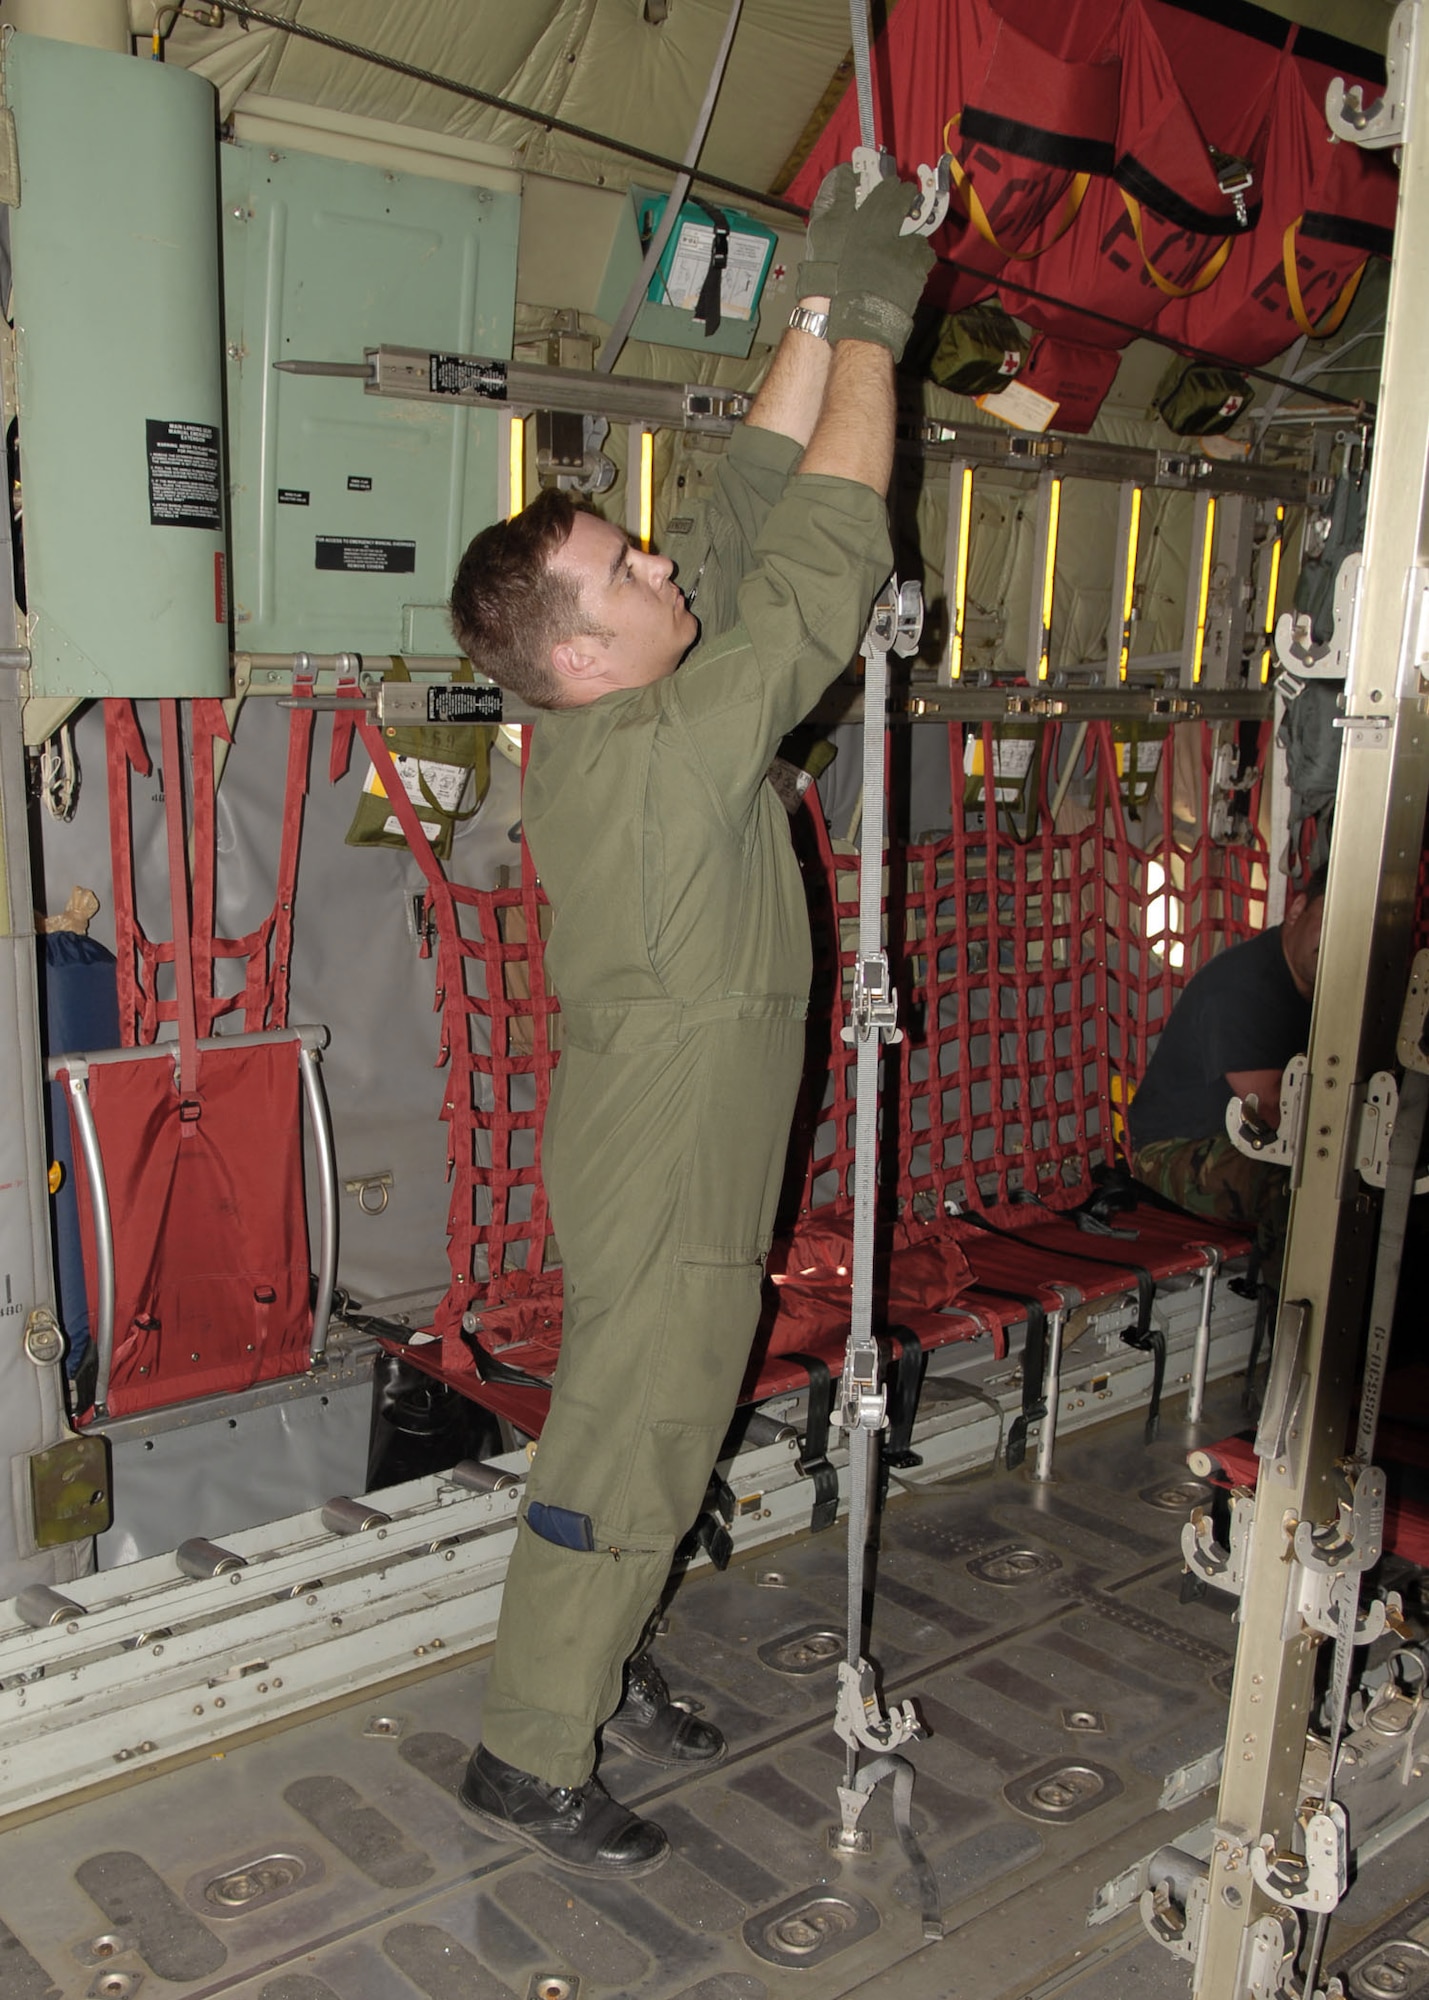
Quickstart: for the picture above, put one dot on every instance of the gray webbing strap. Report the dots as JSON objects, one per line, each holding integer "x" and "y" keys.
{"x": 868, "y": 979}
{"x": 862, "y": 70}
{"x": 901, "y": 1772}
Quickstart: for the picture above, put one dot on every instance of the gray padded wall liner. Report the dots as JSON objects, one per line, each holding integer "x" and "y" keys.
{"x": 211, "y": 1478}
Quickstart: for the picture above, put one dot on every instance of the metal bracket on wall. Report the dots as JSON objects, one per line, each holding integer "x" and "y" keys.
{"x": 1272, "y": 1145}
{"x": 1377, "y": 1117}
{"x": 1295, "y": 649}
{"x": 1223, "y": 1567}
{"x": 1414, "y": 1020}
{"x": 1268, "y": 1957}
{"x": 70, "y": 1491}
{"x": 1386, "y": 121}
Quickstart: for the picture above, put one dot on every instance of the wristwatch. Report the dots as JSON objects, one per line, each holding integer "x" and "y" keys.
{"x": 805, "y": 321}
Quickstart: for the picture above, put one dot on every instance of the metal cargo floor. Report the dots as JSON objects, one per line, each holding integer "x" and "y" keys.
{"x": 1043, "y": 1632}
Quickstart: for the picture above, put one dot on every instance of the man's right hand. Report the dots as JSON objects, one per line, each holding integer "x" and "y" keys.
{"x": 881, "y": 273}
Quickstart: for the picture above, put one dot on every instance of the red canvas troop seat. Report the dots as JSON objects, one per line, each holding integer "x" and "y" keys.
{"x": 945, "y": 1282}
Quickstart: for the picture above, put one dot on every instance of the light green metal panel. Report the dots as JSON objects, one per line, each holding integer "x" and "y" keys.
{"x": 119, "y": 374}
{"x": 323, "y": 257}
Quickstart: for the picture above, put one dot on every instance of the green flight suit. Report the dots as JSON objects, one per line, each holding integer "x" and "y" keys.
{"x": 680, "y": 952}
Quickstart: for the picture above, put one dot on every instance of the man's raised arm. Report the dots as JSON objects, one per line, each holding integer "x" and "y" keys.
{"x": 880, "y": 280}
{"x": 858, "y": 285}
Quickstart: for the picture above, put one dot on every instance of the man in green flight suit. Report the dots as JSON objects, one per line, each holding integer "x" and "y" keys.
{"x": 680, "y": 954}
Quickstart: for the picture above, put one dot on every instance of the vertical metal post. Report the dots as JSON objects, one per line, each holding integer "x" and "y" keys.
{"x": 1052, "y": 1396}
{"x": 1044, "y": 564}
{"x": 1364, "y": 964}
{"x": 1228, "y": 612}
{"x": 1196, "y": 1398}
{"x": 955, "y": 569}
{"x": 320, "y": 1126}
{"x": 31, "y": 1400}
{"x": 1123, "y": 583}
{"x": 1198, "y": 590}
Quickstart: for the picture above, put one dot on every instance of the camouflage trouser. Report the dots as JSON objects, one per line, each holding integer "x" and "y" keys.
{"x": 1210, "y": 1177}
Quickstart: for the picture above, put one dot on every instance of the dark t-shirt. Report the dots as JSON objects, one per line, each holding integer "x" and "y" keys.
{"x": 1241, "y": 1011}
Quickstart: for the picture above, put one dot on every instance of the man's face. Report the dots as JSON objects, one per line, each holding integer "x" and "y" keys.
{"x": 1300, "y": 941}
{"x": 633, "y": 597}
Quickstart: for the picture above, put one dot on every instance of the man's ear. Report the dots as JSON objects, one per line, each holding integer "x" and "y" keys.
{"x": 1296, "y": 908}
{"x": 574, "y": 660}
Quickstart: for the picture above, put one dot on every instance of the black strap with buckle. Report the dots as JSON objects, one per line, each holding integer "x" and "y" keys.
{"x": 707, "y": 304}
{"x": 813, "y": 1459}
{"x": 903, "y": 1399}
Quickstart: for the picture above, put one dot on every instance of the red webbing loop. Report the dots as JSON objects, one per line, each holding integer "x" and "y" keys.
{"x": 125, "y": 751}
{"x": 208, "y": 721}
{"x": 344, "y": 728}
{"x": 295, "y": 792}
{"x": 179, "y": 901}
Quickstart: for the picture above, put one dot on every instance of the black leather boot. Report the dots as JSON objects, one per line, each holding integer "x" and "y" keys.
{"x": 581, "y": 1828}
{"x": 651, "y": 1725}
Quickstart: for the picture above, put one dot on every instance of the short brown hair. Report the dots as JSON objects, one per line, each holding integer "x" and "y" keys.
{"x": 510, "y": 605}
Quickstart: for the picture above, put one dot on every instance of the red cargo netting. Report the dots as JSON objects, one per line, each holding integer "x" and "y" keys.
{"x": 1033, "y": 967}
{"x": 265, "y": 953}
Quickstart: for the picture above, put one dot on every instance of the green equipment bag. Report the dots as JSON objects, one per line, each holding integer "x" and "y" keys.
{"x": 1198, "y": 400}
{"x": 978, "y": 351}
{"x": 446, "y": 769}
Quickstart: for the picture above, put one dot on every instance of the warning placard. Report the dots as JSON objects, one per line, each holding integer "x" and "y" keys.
{"x": 184, "y": 475}
{"x": 366, "y": 553}
{"x": 460, "y": 375}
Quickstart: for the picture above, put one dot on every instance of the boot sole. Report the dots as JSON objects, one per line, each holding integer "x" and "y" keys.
{"x": 507, "y": 1829}
{"x": 638, "y": 1747}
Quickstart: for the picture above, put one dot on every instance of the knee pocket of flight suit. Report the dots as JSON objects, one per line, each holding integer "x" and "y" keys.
{"x": 577, "y": 1614}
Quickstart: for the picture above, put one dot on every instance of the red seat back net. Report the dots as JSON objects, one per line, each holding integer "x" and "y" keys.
{"x": 210, "y": 1241}
{"x": 265, "y": 952}
{"x": 1032, "y": 975}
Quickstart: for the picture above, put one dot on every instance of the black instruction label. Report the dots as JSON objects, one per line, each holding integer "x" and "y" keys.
{"x": 184, "y": 489}
{"x": 366, "y": 552}
{"x": 458, "y": 375}
{"x": 357, "y": 483}
{"x": 293, "y": 496}
{"x": 455, "y": 703}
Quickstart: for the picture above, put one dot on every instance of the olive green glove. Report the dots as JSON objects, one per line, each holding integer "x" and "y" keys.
{"x": 829, "y": 219}
{"x": 881, "y": 273}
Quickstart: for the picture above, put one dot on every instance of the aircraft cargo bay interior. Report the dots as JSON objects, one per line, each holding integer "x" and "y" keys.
{"x": 714, "y": 1026}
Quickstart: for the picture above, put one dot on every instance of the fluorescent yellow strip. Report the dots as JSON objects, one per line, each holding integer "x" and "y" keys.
{"x": 1054, "y": 510}
{"x": 517, "y": 467}
{"x": 960, "y": 578}
{"x": 1203, "y": 592}
{"x": 647, "y": 486}
{"x": 1133, "y": 539}
{"x": 1272, "y": 593}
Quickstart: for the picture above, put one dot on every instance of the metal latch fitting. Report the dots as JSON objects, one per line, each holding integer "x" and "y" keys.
{"x": 873, "y": 1003}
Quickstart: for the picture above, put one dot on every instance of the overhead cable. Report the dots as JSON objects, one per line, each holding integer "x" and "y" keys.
{"x": 261, "y": 18}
